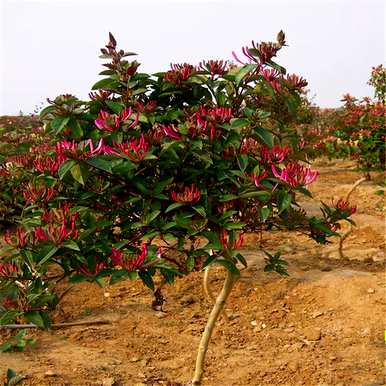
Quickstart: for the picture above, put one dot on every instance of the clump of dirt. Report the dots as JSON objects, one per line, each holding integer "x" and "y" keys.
{"x": 322, "y": 325}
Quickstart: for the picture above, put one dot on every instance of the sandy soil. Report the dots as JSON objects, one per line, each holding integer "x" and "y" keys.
{"x": 322, "y": 325}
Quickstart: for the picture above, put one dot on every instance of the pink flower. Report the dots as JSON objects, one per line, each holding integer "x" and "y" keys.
{"x": 227, "y": 243}
{"x": 249, "y": 146}
{"x": 33, "y": 194}
{"x": 191, "y": 194}
{"x": 20, "y": 160}
{"x": 18, "y": 239}
{"x": 214, "y": 67}
{"x": 101, "y": 149}
{"x": 111, "y": 122}
{"x": 100, "y": 95}
{"x": 107, "y": 122}
{"x": 40, "y": 234}
{"x": 276, "y": 154}
{"x": 171, "y": 131}
{"x": 345, "y": 205}
{"x": 272, "y": 77}
{"x": 295, "y": 174}
{"x": 136, "y": 149}
{"x": 146, "y": 108}
{"x": 208, "y": 119}
{"x": 118, "y": 259}
{"x": 8, "y": 269}
{"x": 179, "y": 73}
{"x": 99, "y": 266}
{"x": 57, "y": 232}
{"x": 296, "y": 81}
{"x": 258, "y": 178}
{"x": 48, "y": 164}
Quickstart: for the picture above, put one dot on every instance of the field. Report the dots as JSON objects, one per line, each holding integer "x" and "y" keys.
{"x": 323, "y": 325}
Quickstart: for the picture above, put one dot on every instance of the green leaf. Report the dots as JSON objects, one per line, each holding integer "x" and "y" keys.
{"x": 151, "y": 216}
{"x": 58, "y": 123}
{"x": 243, "y": 161}
{"x": 71, "y": 244}
{"x": 229, "y": 265}
{"x": 265, "y": 135}
{"x": 38, "y": 318}
{"x": 227, "y": 214}
{"x": 209, "y": 260}
{"x": 147, "y": 279}
{"x": 150, "y": 235}
{"x": 234, "y": 225}
{"x": 9, "y": 317}
{"x": 104, "y": 83}
{"x": 264, "y": 213}
{"x": 118, "y": 276}
{"x": 200, "y": 210}
{"x": 7, "y": 346}
{"x": 259, "y": 193}
{"x": 173, "y": 206}
{"x": 190, "y": 262}
{"x": 162, "y": 185}
{"x": 168, "y": 225}
{"x": 243, "y": 72}
{"x": 48, "y": 255}
{"x": 241, "y": 259}
{"x": 76, "y": 128}
{"x": 228, "y": 197}
{"x": 115, "y": 106}
{"x": 11, "y": 374}
{"x": 277, "y": 67}
{"x": 77, "y": 174}
{"x": 65, "y": 168}
{"x": 99, "y": 162}
{"x": 284, "y": 201}
{"x": 47, "y": 110}
{"x": 239, "y": 122}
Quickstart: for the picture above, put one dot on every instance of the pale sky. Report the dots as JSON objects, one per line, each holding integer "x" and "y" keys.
{"x": 51, "y": 47}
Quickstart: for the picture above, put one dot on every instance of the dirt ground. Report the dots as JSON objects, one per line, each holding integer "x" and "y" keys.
{"x": 322, "y": 325}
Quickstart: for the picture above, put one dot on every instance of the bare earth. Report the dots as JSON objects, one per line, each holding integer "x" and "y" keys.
{"x": 323, "y": 325}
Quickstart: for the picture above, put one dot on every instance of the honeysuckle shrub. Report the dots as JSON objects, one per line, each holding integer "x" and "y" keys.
{"x": 356, "y": 130}
{"x": 19, "y": 138}
{"x": 378, "y": 81}
{"x": 359, "y": 132}
{"x": 160, "y": 174}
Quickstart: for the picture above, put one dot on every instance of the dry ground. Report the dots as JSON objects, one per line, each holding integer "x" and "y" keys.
{"x": 323, "y": 325}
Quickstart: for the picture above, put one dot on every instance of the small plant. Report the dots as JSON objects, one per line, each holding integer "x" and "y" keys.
{"x": 17, "y": 342}
{"x": 13, "y": 378}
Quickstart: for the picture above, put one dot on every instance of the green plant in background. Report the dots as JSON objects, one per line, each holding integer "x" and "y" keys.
{"x": 17, "y": 342}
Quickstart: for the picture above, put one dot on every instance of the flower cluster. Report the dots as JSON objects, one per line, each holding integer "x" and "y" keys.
{"x": 119, "y": 259}
{"x": 345, "y": 206}
{"x": 136, "y": 149}
{"x": 189, "y": 195}
{"x": 179, "y": 73}
{"x": 111, "y": 122}
{"x": 295, "y": 175}
{"x": 230, "y": 241}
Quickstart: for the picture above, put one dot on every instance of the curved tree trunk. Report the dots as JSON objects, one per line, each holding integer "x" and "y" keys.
{"x": 208, "y": 290}
{"x": 349, "y": 231}
{"x": 229, "y": 282}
